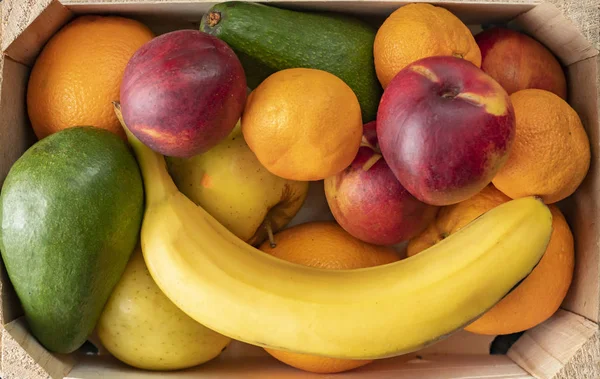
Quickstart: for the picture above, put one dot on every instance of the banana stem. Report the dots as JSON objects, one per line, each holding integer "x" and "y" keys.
{"x": 158, "y": 184}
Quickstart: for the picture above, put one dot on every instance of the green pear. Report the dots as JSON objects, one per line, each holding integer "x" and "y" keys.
{"x": 231, "y": 184}
{"x": 140, "y": 326}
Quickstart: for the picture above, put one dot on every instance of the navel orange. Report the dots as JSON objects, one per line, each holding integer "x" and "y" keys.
{"x": 77, "y": 75}
{"x": 539, "y": 295}
{"x": 550, "y": 156}
{"x": 324, "y": 245}
{"x": 417, "y": 31}
{"x": 303, "y": 124}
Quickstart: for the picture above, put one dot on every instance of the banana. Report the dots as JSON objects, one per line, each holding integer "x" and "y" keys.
{"x": 243, "y": 293}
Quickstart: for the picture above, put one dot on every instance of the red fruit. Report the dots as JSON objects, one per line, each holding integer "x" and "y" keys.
{"x": 445, "y": 128}
{"x": 183, "y": 92}
{"x": 518, "y": 62}
{"x": 369, "y": 202}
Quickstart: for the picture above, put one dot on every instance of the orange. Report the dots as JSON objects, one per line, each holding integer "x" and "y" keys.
{"x": 550, "y": 156}
{"x": 78, "y": 74}
{"x": 417, "y": 31}
{"x": 324, "y": 245}
{"x": 539, "y": 295}
{"x": 453, "y": 217}
{"x": 303, "y": 124}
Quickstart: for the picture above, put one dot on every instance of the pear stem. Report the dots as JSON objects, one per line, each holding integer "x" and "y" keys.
{"x": 270, "y": 234}
{"x": 158, "y": 184}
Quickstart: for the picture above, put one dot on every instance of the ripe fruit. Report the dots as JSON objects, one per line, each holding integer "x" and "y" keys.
{"x": 551, "y": 153}
{"x": 231, "y": 184}
{"x": 536, "y": 298}
{"x": 71, "y": 211}
{"x": 369, "y": 202}
{"x": 269, "y": 39}
{"x": 417, "y": 31}
{"x": 453, "y": 217}
{"x": 238, "y": 291}
{"x": 143, "y": 328}
{"x": 518, "y": 62}
{"x": 317, "y": 364}
{"x": 303, "y": 124}
{"x": 324, "y": 245}
{"x": 78, "y": 73}
{"x": 445, "y": 128}
{"x": 183, "y": 92}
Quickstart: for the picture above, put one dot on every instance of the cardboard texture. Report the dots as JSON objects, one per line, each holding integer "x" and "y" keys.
{"x": 551, "y": 349}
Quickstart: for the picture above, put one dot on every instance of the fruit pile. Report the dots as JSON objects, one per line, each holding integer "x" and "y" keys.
{"x": 152, "y": 211}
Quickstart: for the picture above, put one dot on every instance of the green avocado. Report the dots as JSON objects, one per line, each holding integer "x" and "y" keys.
{"x": 71, "y": 210}
{"x": 269, "y": 39}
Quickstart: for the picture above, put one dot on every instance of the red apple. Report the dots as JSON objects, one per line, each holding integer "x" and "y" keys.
{"x": 183, "y": 92}
{"x": 518, "y": 62}
{"x": 369, "y": 202}
{"x": 445, "y": 128}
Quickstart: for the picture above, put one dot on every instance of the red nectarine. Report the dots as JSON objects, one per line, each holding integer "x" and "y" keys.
{"x": 183, "y": 92}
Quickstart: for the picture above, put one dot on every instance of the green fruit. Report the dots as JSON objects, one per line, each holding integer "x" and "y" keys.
{"x": 71, "y": 209}
{"x": 269, "y": 39}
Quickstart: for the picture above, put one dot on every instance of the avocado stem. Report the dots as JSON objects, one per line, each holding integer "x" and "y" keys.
{"x": 270, "y": 234}
{"x": 214, "y": 18}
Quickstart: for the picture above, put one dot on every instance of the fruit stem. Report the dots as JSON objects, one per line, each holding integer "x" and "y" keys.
{"x": 365, "y": 143}
{"x": 158, "y": 184}
{"x": 214, "y": 18}
{"x": 270, "y": 234}
{"x": 371, "y": 162}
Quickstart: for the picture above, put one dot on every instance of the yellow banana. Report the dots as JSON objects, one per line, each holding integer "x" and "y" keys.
{"x": 377, "y": 312}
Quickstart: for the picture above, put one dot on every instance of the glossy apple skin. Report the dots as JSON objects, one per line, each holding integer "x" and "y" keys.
{"x": 518, "y": 62}
{"x": 371, "y": 204}
{"x": 445, "y": 128}
{"x": 183, "y": 92}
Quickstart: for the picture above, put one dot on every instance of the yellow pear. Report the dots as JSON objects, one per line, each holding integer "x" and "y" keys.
{"x": 231, "y": 184}
{"x": 143, "y": 328}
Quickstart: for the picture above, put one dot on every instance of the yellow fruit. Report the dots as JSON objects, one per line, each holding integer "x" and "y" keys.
{"x": 231, "y": 184}
{"x": 143, "y": 328}
{"x": 417, "y": 31}
{"x": 78, "y": 74}
{"x": 324, "y": 245}
{"x": 539, "y": 295}
{"x": 550, "y": 156}
{"x": 303, "y": 124}
{"x": 241, "y": 292}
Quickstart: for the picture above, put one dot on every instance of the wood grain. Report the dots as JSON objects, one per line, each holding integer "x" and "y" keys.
{"x": 547, "y": 348}
{"x": 24, "y": 357}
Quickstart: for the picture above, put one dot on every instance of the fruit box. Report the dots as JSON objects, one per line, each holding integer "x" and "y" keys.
{"x": 567, "y": 345}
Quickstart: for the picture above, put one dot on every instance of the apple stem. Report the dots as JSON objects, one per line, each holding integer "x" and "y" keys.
{"x": 371, "y": 162}
{"x": 364, "y": 142}
{"x": 270, "y": 234}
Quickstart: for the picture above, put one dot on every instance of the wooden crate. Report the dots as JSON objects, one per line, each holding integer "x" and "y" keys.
{"x": 567, "y": 345}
